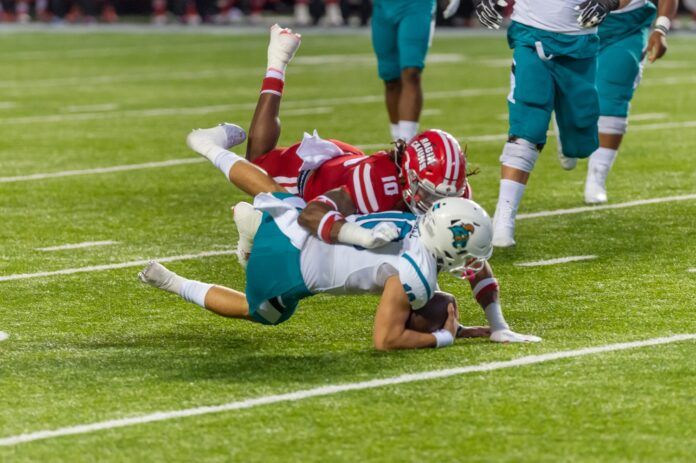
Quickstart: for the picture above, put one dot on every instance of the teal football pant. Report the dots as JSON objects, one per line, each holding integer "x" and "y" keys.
{"x": 401, "y": 35}
{"x": 623, "y": 42}
{"x": 541, "y": 85}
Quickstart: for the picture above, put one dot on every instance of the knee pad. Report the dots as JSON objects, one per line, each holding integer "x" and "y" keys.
{"x": 611, "y": 125}
{"x": 520, "y": 154}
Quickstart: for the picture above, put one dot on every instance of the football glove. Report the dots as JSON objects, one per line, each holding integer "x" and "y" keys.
{"x": 593, "y": 12}
{"x": 489, "y": 12}
{"x": 510, "y": 336}
{"x": 352, "y": 233}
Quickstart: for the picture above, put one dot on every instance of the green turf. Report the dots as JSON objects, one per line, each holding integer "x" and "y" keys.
{"x": 98, "y": 346}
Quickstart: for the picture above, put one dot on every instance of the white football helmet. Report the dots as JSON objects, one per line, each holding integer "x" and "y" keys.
{"x": 458, "y": 232}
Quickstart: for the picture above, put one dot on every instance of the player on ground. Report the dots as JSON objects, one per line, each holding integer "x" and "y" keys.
{"x": 555, "y": 47}
{"x": 624, "y": 41}
{"x": 336, "y": 178}
{"x": 402, "y": 31}
{"x": 287, "y": 264}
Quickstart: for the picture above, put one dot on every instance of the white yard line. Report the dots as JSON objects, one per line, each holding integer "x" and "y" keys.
{"x": 647, "y": 116}
{"x": 307, "y": 104}
{"x": 99, "y": 268}
{"x": 308, "y": 111}
{"x": 324, "y": 391}
{"x": 559, "y": 260}
{"x": 692, "y": 270}
{"x": 102, "y": 170}
{"x": 85, "y": 244}
{"x": 578, "y": 210}
{"x": 3, "y": 336}
{"x": 91, "y": 107}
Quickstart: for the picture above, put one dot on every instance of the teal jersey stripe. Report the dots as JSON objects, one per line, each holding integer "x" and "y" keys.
{"x": 387, "y": 216}
{"x": 410, "y": 260}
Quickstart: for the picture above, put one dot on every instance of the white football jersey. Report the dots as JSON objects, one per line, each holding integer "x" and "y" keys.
{"x": 342, "y": 269}
{"x": 634, "y": 5}
{"x": 550, "y": 15}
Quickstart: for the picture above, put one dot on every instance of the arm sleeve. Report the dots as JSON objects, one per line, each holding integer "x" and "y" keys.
{"x": 414, "y": 281}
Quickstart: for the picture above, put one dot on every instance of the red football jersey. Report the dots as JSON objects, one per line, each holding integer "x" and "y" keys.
{"x": 371, "y": 181}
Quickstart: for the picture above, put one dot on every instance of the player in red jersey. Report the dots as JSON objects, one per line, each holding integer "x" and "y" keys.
{"x": 337, "y": 179}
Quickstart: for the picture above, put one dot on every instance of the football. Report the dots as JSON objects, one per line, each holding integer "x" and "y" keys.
{"x": 433, "y": 315}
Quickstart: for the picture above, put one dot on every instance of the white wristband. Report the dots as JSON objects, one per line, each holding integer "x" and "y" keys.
{"x": 663, "y": 24}
{"x": 443, "y": 338}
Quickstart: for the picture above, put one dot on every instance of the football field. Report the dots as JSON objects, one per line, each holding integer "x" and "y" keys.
{"x": 96, "y": 179}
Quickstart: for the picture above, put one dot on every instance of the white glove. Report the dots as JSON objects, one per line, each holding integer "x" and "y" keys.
{"x": 511, "y": 336}
{"x": 452, "y": 8}
{"x": 352, "y": 233}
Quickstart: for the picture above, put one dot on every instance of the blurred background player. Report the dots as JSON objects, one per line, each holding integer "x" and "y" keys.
{"x": 625, "y": 39}
{"x": 402, "y": 31}
{"x": 555, "y": 48}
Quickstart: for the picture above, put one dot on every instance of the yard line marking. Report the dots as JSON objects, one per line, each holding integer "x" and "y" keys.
{"x": 102, "y": 170}
{"x": 648, "y": 116}
{"x": 692, "y": 270}
{"x": 99, "y": 268}
{"x": 324, "y": 391}
{"x": 309, "y": 111}
{"x": 85, "y": 244}
{"x": 3, "y": 336}
{"x": 559, "y": 260}
{"x": 91, "y": 107}
{"x": 578, "y": 210}
{"x": 197, "y": 110}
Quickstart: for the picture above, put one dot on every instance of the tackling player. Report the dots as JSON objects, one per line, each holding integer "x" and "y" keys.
{"x": 287, "y": 264}
{"x": 554, "y": 65}
{"x": 337, "y": 179}
{"x": 623, "y": 45}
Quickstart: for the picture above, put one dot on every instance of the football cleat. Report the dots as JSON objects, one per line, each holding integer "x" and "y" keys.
{"x": 208, "y": 141}
{"x": 595, "y": 185}
{"x": 504, "y": 227}
{"x": 248, "y": 221}
{"x": 566, "y": 162}
{"x": 282, "y": 47}
{"x": 159, "y": 276}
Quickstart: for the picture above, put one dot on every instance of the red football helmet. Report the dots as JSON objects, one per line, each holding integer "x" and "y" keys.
{"x": 434, "y": 167}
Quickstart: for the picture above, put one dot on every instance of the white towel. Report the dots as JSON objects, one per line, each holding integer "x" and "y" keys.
{"x": 315, "y": 151}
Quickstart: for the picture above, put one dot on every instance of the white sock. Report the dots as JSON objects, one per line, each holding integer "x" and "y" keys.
{"x": 602, "y": 159}
{"x": 510, "y": 196}
{"x": 408, "y": 129}
{"x": 194, "y": 291}
{"x": 224, "y": 160}
{"x": 394, "y": 130}
{"x": 494, "y": 315}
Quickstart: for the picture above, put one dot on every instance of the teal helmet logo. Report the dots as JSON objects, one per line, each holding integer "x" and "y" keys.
{"x": 460, "y": 234}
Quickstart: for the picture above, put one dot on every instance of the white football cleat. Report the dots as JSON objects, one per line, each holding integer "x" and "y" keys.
{"x": 595, "y": 185}
{"x": 566, "y": 162}
{"x": 503, "y": 227}
{"x": 159, "y": 276}
{"x": 282, "y": 47}
{"x": 207, "y": 142}
{"x": 506, "y": 336}
{"x": 248, "y": 221}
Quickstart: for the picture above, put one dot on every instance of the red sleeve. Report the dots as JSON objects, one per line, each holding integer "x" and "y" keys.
{"x": 374, "y": 186}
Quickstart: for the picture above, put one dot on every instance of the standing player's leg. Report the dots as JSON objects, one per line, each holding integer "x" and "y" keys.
{"x": 218, "y": 299}
{"x": 530, "y": 103}
{"x": 620, "y": 67}
{"x": 414, "y": 36}
{"x": 384, "y": 44}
